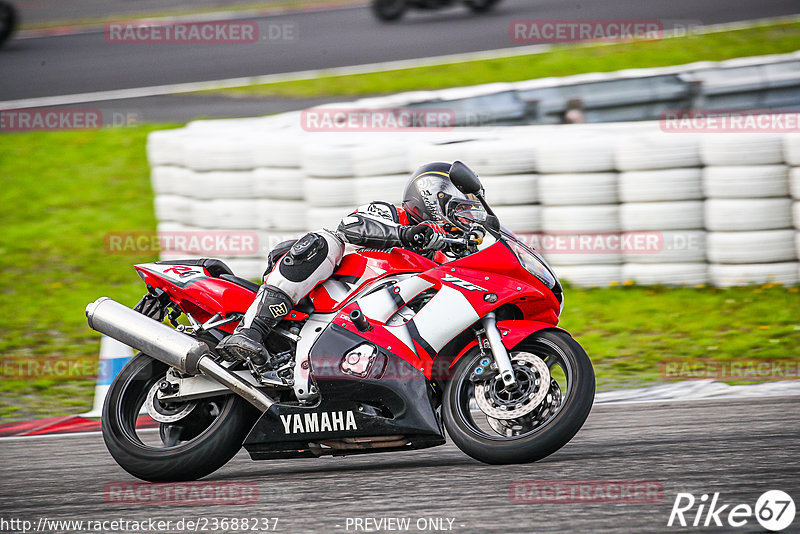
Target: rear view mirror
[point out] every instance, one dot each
(465, 179)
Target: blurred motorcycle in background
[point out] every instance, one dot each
(8, 21)
(391, 10)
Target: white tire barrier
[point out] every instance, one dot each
(509, 156)
(661, 185)
(173, 208)
(326, 192)
(575, 153)
(328, 160)
(724, 275)
(373, 160)
(385, 188)
(278, 183)
(576, 189)
(671, 274)
(797, 244)
(770, 246)
(796, 214)
(664, 247)
(165, 147)
(282, 215)
(581, 258)
(794, 182)
(581, 219)
(748, 214)
(640, 216)
(510, 189)
(746, 181)
(590, 275)
(325, 218)
(251, 269)
(278, 151)
(658, 150)
(791, 148)
(170, 180)
(520, 219)
(217, 153)
(741, 149)
(226, 213)
(220, 184)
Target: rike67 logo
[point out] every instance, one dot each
(774, 510)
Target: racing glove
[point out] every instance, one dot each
(425, 236)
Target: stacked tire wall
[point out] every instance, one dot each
(699, 208)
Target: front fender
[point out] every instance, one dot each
(513, 332)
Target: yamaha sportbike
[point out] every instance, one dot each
(385, 355)
(390, 10)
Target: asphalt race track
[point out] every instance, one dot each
(739, 448)
(80, 63)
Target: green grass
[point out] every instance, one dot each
(62, 193)
(562, 60)
(632, 332)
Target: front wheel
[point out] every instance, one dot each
(389, 10)
(554, 393)
(194, 438)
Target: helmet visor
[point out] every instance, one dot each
(464, 213)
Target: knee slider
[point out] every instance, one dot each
(305, 256)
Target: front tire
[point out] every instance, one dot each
(548, 427)
(189, 449)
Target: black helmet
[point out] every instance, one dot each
(431, 196)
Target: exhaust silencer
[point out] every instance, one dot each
(167, 345)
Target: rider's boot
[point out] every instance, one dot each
(247, 342)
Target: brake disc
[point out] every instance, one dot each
(166, 414)
(520, 402)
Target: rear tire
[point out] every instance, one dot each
(389, 10)
(206, 449)
(543, 440)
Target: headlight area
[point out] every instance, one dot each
(539, 269)
(533, 265)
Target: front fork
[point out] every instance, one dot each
(501, 357)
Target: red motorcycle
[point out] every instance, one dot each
(383, 356)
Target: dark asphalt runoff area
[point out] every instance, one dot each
(739, 448)
(73, 64)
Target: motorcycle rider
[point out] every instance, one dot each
(430, 206)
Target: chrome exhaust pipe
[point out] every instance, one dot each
(159, 341)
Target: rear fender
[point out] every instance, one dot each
(196, 291)
(513, 332)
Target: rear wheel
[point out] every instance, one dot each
(193, 438)
(389, 10)
(553, 396)
(481, 6)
